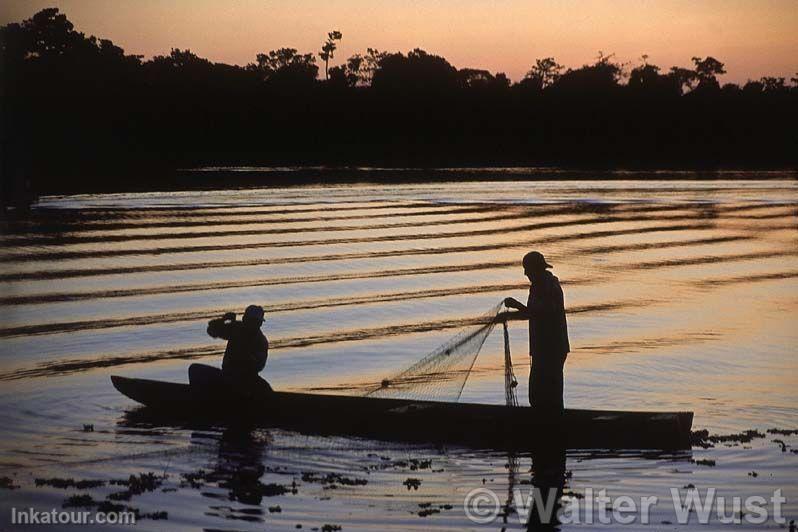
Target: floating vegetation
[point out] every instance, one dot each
(66, 483)
(7, 484)
(252, 491)
(427, 508)
(413, 483)
(704, 461)
(244, 485)
(272, 490)
(783, 432)
(120, 496)
(252, 515)
(194, 480)
(136, 485)
(79, 501)
(420, 464)
(702, 438)
(86, 501)
(331, 479)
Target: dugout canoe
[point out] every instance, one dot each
(469, 424)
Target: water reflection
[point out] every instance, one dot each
(239, 465)
(548, 480)
(246, 473)
(679, 291)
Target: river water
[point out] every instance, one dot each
(682, 295)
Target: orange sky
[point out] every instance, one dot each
(753, 37)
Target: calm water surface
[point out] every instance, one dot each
(681, 295)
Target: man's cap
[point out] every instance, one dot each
(535, 259)
(253, 313)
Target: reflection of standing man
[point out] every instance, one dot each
(548, 332)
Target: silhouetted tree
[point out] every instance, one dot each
(178, 65)
(730, 89)
(773, 84)
(45, 35)
(341, 76)
(358, 69)
(75, 106)
(49, 38)
(418, 71)
(599, 78)
(707, 71)
(708, 68)
(286, 65)
(647, 80)
(545, 73)
(472, 78)
(369, 65)
(645, 77)
(753, 87)
(328, 50)
(683, 78)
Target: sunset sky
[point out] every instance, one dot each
(753, 37)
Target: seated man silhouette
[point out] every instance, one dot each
(247, 349)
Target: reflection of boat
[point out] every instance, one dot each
(475, 425)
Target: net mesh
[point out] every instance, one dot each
(442, 374)
(510, 382)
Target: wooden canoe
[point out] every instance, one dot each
(468, 424)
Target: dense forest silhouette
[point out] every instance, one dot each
(80, 114)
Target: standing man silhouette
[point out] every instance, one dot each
(548, 332)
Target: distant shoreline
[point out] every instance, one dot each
(225, 177)
(142, 180)
(84, 116)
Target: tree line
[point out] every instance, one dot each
(78, 109)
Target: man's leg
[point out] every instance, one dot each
(546, 385)
(540, 385)
(557, 387)
(560, 377)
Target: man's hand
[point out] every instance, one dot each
(229, 316)
(511, 302)
(502, 317)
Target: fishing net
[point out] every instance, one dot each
(442, 374)
(510, 382)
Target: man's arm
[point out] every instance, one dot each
(511, 316)
(222, 327)
(519, 314)
(525, 312)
